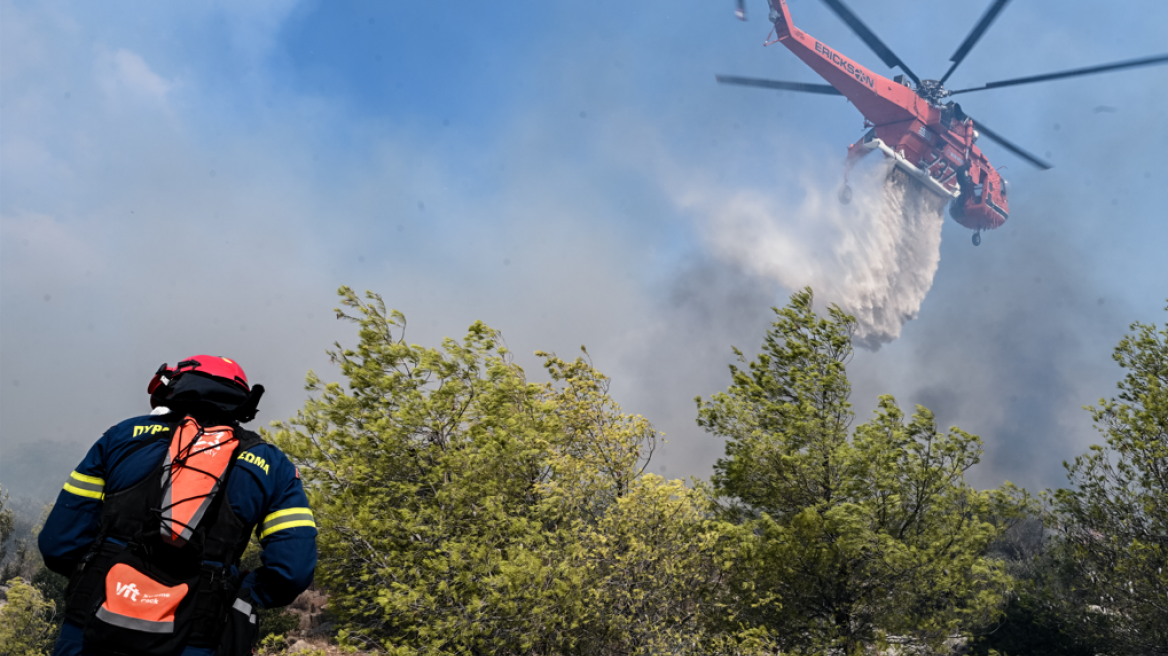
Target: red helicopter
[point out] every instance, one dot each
(928, 138)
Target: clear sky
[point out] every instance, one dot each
(181, 178)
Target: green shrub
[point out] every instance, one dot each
(26, 621)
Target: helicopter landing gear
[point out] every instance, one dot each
(977, 239)
(845, 194)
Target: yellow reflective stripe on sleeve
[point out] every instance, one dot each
(87, 479)
(280, 527)
(288, 511)
(287, 518)
(84, 493)
(90, 487)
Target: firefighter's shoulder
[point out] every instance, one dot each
(267, 460)
(128, 436)
(88, 480)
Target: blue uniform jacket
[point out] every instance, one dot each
(263, 489)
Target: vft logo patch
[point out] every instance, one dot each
(128, 590)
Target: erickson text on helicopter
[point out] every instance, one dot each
(843, 63)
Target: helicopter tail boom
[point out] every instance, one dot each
(879, 99)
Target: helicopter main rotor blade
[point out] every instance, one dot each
(884, 52)
(1005, 143)
(825, 89)
(982, 25)
(1091, 70)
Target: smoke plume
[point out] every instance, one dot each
(874, 257)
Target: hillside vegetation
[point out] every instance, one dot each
(466, 510)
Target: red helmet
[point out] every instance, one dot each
(211, 365)
(217, 386)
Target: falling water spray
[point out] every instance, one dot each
(875, 257)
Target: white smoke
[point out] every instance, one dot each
(874, 257)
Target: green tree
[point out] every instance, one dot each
(1043, 616)
(7, 525)
(19, 559)
(26, 621)
(18, 530)
(1114, 518)
(422, 475)
(466, 510)
(860, 535)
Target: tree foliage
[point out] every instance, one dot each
(1044, 615)
(1114, 519)
(33, 619)
(18, 528)
(7, 525)
(860, 534)
(26, 621)
(466, 510)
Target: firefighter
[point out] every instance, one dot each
(151, 525)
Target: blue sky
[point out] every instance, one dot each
(201, 177)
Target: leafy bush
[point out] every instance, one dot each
(26, 621)
(465, 510)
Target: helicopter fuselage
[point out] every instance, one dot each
(931, 141)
